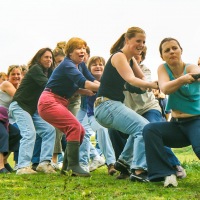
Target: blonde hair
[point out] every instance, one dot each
(3, 75)
(72, 44)
(131, 32)
(11, 67)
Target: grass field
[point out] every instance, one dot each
(100, 185)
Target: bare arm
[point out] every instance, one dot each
(121, 64)
(92, 85)
(8, 87)
(137, 70)
(167, 86)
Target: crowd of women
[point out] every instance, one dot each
(64, 96)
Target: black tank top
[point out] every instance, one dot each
(112, 84)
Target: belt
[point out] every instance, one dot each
(100, 100)
(50, 90)
(185, 119)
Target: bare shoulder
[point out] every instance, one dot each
(192, 68)
(5, 85)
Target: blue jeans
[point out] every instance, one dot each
(30, 126)
(152, 116)
(114, 114)
(37, 150)
(87, 150)
(156, 116)
(171, 134)
(104, 140)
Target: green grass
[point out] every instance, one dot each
(100, 185)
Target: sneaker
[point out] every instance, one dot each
(170, 181)
(4, 171)
(122, 167)
(45, 167)
(123, 176)
(180, 172)
(111, 169)
(96, 163)
(8, 167)
(55, 166)
(25, 170)
(139, 177)
(34, 166)
(84, 167)
(15, 167)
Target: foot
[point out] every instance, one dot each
(122, 166)
(170, 181)
(142, 177)
(55, 166)
(4, 171)
(34, 166)
(96, 163)
(123, 176)
(84, 167)
(78, 171)
(8, 167)
(180, 172)
(45, 167)
(111, 169)
(25, 170)
(15, 167)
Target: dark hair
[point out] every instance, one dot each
(131, 32)
(168, 40)
(38, 55)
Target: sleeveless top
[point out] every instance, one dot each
(187, 98)
(112, 84)
(5, 99)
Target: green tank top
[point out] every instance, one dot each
(187, 98)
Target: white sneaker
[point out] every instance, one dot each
(170, 181)
(180, 172)
(45, 167)
(84, 167)
(25, 170)
(55, 166)
(97, 162)
(15, 167)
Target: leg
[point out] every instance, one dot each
(28, 134)
(156, 136)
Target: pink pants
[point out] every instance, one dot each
(53, 109)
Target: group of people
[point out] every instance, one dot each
(65, 96)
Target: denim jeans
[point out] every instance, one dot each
(30, 126)
(171, 134)
(114, 114)
(104, 140)
(156, 116)
(37, 150)
(152, 116)
(87, 150)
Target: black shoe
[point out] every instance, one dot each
(139, 177)
(122, 167)
(123, 176)
(8, 167)
(34, 166)
(4, 171)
